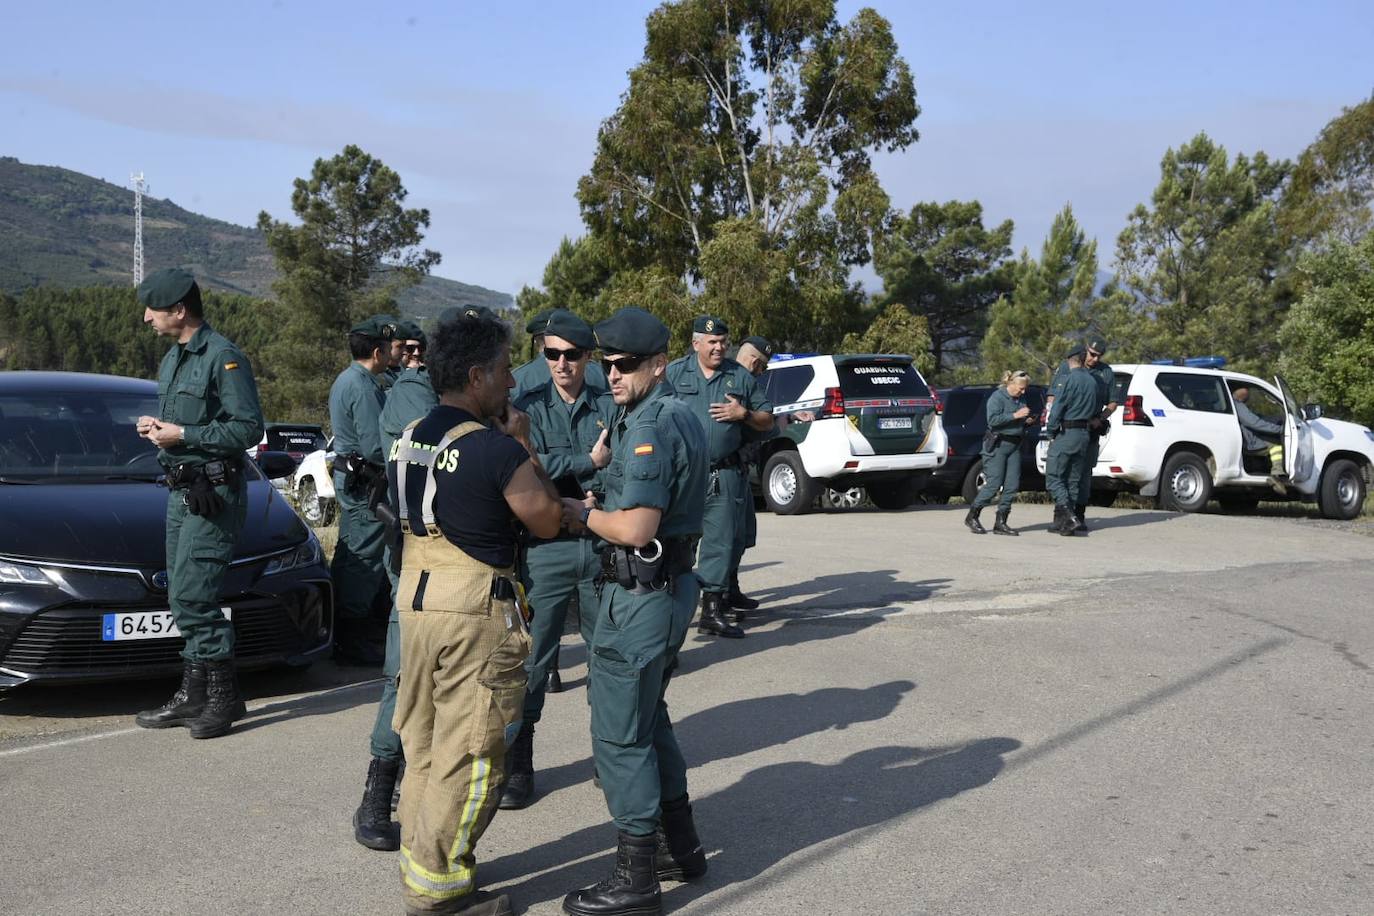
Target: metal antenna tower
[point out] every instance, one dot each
(140, 188)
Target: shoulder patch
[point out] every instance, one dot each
(645, 449)
(231, 365)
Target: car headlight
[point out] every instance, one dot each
(22, 574)
(307, 554)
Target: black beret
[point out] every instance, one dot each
(563, 323)
(1076, 350)
(710, 324)
(1097, 344)
(759, 343)
(536, 324)
(409, 330)
(165, 289)
(459, 312)
(632, 330)
(382, 327)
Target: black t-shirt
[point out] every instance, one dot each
(470, 481)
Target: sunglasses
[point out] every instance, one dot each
(413, 348)
(625, 365)
(573, 354)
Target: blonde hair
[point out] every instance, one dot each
(1012, 375)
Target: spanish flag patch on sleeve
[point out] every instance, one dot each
(645, 449)
(228, 366)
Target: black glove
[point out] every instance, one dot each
(201, 498)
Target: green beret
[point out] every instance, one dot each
(632, 330)
(459, 312)
(1097, 344)
(710, 324)
(759, 343)
(563, 323)
(165, 289)
(382, 327)
(536, 324)
(1076, 350)
(409, 330)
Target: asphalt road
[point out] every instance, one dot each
(1169, 716)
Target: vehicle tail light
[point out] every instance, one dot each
(1045, 414)
(261, 448)
(834, 403)
(1133, 414)
(939, 404)
(851, 465)
(950, 451)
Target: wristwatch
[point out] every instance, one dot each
(586, 514)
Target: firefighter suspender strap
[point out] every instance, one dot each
(408, 453)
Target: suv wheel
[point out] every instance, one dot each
(787, 488)
(895, 494)
(1342, 491)
(1186, 484)
(848, 498)
(973, 481)
(313, 509)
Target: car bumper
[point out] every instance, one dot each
(292, 625)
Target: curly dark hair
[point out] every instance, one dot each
(461, 343)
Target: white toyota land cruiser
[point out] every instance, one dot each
(1175, 436)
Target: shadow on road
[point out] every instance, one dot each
(744, 726)
(1102, 523)
(772, 813)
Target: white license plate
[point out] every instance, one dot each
(143, 625)
(894, 422)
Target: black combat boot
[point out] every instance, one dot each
(713, 622)
(738, 599)
(971, 520)
(631, 890)
(518, 791)
(1058, 520)
(1001, 527)
(1069, 524)
(187, 703)
(223, 703)
(1080, 516)
(372, 823)
(553, 682)
(679, 856)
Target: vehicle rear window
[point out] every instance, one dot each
(1194, 392)
(1119, 388)
(785, 384)
(961, 407)
(295, 439)
(869, 380)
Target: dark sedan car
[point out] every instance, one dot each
(966, 420)
(83, 581)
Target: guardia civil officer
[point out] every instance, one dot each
(753, 354)
(1093, 351)
(355, 408)
(208, 414)
(1007, 419)
(536, 372)
(460, 478)
(649, 522)
(724, 398)
(570, 422)
(409, 398)
(1078, 402)
(413, 345)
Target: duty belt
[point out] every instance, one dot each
(652, 568)
(220, 471)
(732, 460)
(1074, 424)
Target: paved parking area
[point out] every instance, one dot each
(1168, 716)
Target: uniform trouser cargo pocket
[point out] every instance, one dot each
(623, 695)
(500, 694)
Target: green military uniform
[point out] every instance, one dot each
(1106, 380)
(749, 458)
(658, 461)
(355, 407)
(1078, 401)
(1002, 462)
(206, 387)
(728, 487)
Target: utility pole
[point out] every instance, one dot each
(140, 188)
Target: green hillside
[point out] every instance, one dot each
(65, 229)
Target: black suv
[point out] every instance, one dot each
(966, 419)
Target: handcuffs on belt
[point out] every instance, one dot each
(634, 569)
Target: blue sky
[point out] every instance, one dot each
(489, 111)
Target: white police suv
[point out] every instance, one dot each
(1175, 437)
(864, 420)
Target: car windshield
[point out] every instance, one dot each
(87, 437)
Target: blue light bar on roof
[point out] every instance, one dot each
(1193, 362)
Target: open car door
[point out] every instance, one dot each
(1297, 438)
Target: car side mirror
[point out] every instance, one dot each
(275, 465)
(1312, 412)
